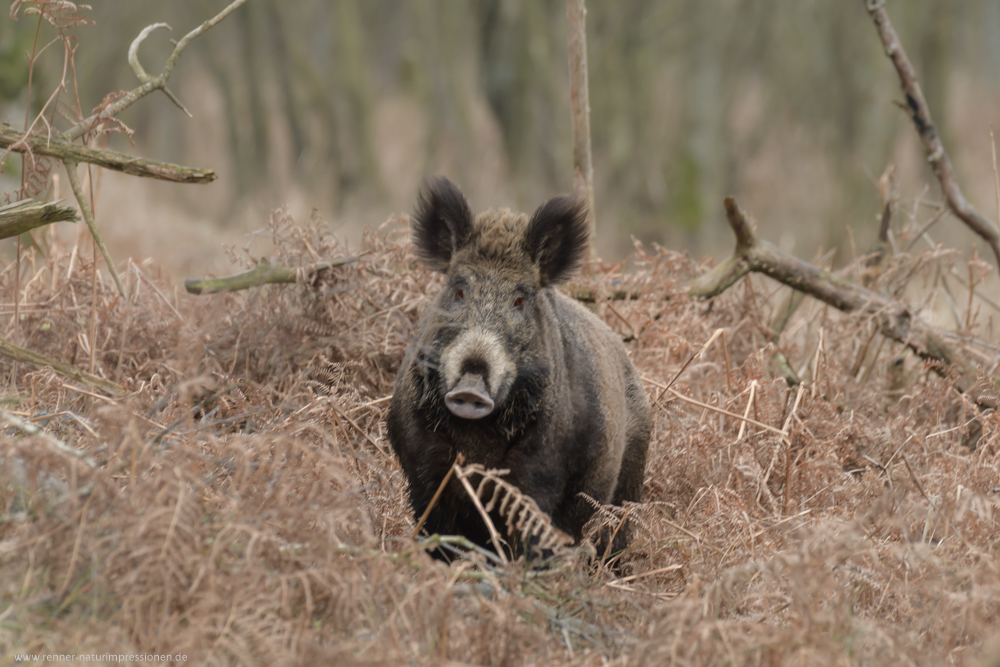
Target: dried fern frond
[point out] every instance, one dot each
(610, 517)
(520, 511)
(62, 14)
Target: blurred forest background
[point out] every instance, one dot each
(345, 105)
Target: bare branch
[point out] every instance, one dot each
(158, 82)
(62, 149)
(916, 105)
(25, 215)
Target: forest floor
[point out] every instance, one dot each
(240, 504)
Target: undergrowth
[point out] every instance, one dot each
(243, 505)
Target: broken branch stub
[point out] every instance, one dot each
(895, 320)
(25, 215)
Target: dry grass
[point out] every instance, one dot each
(246, 508)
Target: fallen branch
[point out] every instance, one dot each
(895, 320)
(916, 105)
(25, 215)
(66, 370)
(61, 149)
(263, 274)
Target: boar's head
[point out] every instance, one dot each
(483, 344)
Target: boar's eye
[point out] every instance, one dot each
(518, 302)
(459, 294)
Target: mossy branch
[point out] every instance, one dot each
(895, 320)
(66, 370)
(61, 149)
(25, 215)
(263, 274)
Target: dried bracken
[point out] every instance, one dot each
(244, 506)
(520, 512)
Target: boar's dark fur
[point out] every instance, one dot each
(513, 374)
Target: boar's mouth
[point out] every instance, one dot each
(469, 399)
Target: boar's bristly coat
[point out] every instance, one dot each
(513, 374)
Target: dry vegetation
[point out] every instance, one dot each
(241, 505)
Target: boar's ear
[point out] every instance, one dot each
(557, 236)
(441, 223)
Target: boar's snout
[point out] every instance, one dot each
(469, 399)
(478, 374)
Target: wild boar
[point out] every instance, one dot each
(512, 373)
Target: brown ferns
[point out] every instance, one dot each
(522, 515)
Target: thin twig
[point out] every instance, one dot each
(459, 461)
(726, 412)
(666, 388)
(369, 404)
(494, 535)
(697, 538)
(778, 523)
(923, 230)
(88, 217)
(920, 487)
(649, 573)
(614, 534)
(725, 351)
(746, 413)
(957, 276)
(621, 317)
(788, 450)
(163, 298)
(360, 430)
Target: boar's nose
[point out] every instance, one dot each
(469, 399)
